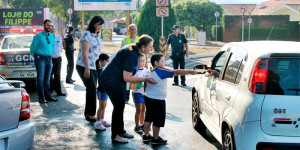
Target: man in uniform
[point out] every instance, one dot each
(132, 30)
(56, 62)
(68, 44)
(178, 42)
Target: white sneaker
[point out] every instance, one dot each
(106, 124)
(99, 126)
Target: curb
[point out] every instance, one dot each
(169, 61)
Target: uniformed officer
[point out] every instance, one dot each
(126, 41)
(178, 42)
(69, 47)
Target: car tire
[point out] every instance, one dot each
(196, 120)
(227, 140)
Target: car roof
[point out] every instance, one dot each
(18, 35)
(268, 47)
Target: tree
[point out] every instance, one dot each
(199, 14)
(148, 23)
(26, 3)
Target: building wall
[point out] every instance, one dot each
(233, 23)
(285, 11)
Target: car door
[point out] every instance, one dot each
(227, 86)
(217, 64)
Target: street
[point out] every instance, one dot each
(61, 125)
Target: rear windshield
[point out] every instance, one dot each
(283, 76)
(17, 42)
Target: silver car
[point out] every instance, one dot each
(16, 130)
(15, 59)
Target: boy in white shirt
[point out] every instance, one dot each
(138, 95)
(155, 98)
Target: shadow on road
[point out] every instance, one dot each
(205, 133)
(170, 116)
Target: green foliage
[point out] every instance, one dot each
(294, 31)
(27, 3)
(199, 14)
(220, 32)
(148, 23)
(262, 33)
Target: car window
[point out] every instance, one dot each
(283, 76)
(219, 61)
(234, 68)
(2, 85)
(17, 42)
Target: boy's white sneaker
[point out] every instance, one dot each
(99, 126)
(106, 124)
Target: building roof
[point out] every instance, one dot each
(264, 8)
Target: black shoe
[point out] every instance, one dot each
(87, 118)
(69, 81)
(43, 101)
(183, 84)
(159, 141)
(72, 80)
(147, 138)
(51, 99)
(61, 94)
(175, 84)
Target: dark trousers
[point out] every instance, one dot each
(90, 96)
(178, 61)
(70, 66)
(117, 93)
(43, 65)
(55, 75)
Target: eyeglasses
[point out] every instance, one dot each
(174, 29)
(47, 39)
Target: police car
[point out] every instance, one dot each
(15, 59)
(253, 101)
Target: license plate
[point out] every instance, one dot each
(28, 74)
(2, 146)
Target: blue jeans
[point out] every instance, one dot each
(43, 65)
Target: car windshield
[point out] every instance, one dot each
(17, 42)
(283, 76)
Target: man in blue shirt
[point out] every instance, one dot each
(41, 48)
(178, 42)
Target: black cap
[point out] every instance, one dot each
(176, 27)
(70, 28)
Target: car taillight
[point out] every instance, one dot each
(258, 80)
(2, 59)
(25, 107)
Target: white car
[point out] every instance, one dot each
(253, 100)
(16, 130)
(15, 59)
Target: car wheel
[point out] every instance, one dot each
(196, 121)
(227, 140)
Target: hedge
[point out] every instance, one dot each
(220, 32)
(262, 33)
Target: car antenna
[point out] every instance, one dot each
(271, 31)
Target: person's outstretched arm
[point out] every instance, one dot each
(185, 72)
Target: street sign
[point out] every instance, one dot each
(162, 11)
(162, 3)
(70, 11)
(217, 14)
(243, 9)
(249, 20)
(162, 44)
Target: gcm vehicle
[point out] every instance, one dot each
(252, 101)
(15, 59)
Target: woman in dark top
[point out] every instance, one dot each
(114, 77)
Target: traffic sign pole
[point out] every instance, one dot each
(162, 26)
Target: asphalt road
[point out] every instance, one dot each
(61, 125)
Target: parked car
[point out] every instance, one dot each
(16, 130)
(117, 30)
(123, 31)
(253, 101)
(15, 59)
(77, 33)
